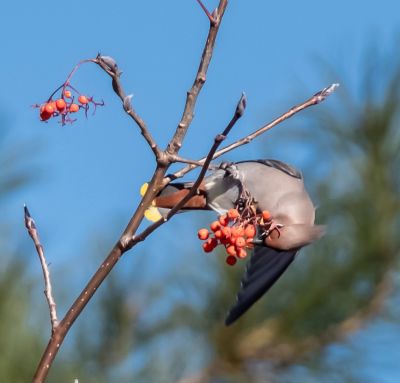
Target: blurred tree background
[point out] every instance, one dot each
(171, 328)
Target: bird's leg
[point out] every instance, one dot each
(266, 229)
(272, 227)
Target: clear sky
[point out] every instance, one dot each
(91, 172)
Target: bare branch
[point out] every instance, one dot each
(206, 11)
(314, 100)
(109, 65)
(48, 292)
(176, 158)
(193, 190)
(191, 98)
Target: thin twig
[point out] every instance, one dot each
(109, 66)
(176, 158)
(193, 190)
(206, 11)
(192, 94)
(314, 100)
(48, 291)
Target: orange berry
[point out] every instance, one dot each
(218, 234)
(233, 213)
(266, 215)
(226, 231)
(240, 242)
(48, 108)
(215, 226)
(241, 253)
(234, 232)
(232, 240)
(231, 250)
(67, 94)
(60, 104)
(73, 108)
(223, 220)
(203, 234)
(238, 231)
(209, 245)
(83, 99)
(250, 231)
(231, 260)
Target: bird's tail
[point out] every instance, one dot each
(170, 196)
(174, 193)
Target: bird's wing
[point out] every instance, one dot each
(279, 165)
(263, 270)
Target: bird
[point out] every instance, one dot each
(271, 185)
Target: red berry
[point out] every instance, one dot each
(232, 240)
(233, 213)
(250, 231)
(60, 104)
(231, 250)
(67, 94)
(210, 245)
(83, 99)
(240, 242)
(207, 248)
(266, 215)
(241, 253)
(203, 234)
(223, 220)
(73, 108)
(231, 260)
(225, 241)
(215, 226)
(226, 231)
(213, 242)
(218, 234)
(49, 108)
(238, 231)
(44, 116)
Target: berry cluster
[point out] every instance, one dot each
(234, 232)
(70, 101)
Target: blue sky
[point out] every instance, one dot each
(90, 172)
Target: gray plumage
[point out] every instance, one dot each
(278, 188)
